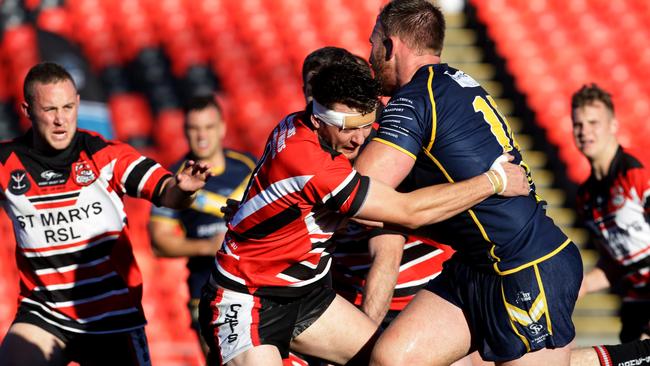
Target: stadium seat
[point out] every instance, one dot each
(574, 43)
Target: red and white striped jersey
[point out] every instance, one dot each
(77, 269)
(421, 262)
(301, 191)
(616, 210)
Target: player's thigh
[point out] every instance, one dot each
(547, 356)
(338, 335)
(429, 331)
(264, 355)
(28, 344)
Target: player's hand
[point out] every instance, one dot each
(513, 177)
(193, 176)
(230, 209)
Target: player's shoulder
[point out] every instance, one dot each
(240, 158)
(8, 147)
(91, 141)
(634, 165)
(633, 158)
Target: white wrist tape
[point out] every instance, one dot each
(496, 166)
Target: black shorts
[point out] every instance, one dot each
(233, 322)
(511, 315)
(635, 320)
(124, 348)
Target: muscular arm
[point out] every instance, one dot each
(388, 166)
(384, 163)
(166, 241)
(426, 205)
(386, 252)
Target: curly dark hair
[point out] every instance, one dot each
(589, 94)
(346, 83)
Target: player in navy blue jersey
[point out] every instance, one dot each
(511, 287)
(197, 232)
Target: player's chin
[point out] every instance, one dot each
(350, 153)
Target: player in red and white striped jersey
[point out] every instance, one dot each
(80, 288)
(614, 204)
(267, 295)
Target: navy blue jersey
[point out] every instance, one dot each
(204, 218)
(453, 130)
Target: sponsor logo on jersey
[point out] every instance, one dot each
(523, 297)
(463, 79)
(50, 177)
(19, 182)
(83, 173)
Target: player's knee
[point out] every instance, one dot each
(386, 353)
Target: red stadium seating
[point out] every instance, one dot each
(256, 47)
(554, 47)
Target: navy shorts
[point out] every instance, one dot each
(511, 315)
(233, 322)
(124, 348)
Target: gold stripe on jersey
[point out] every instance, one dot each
(434, 117)
(470, 211)
(531, 263)
(238, 192)
(241, 157)
(212, 204)
(397, 147)
(165, 220)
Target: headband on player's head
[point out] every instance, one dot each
(342, 119)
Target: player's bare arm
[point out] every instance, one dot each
(168, 241)
(439, 202)
(178, 191)
(386, 252)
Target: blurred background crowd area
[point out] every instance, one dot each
(136, 61)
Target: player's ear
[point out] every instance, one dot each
(25, 108)
(388, 47)
(614, 125)
(315, 121)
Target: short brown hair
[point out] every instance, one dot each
(418, 23)
(589, 94)
(44, 73)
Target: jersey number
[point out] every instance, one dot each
(504, 136)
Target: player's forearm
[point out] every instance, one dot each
(440, 202)
(376, 302)
(171, 245)
(386, 252)
(173, 196)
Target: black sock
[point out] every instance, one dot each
(635, 353)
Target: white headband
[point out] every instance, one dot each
(342, 119)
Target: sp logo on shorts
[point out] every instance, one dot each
(232, 321)
(19, 182)
(535, 328)
(83, 173)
